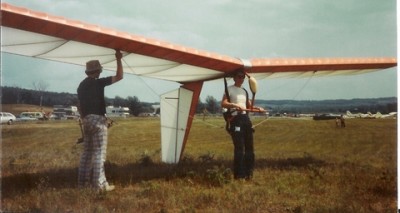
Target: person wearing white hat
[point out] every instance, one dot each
(92, 109)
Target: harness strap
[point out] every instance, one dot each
(228, 114)
(247, 100)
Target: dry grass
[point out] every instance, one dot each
(301, 166)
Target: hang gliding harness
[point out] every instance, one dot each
(228, 115)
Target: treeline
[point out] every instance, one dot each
(15, 95)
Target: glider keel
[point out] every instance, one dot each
(177, 110)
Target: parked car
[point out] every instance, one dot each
(325, 117)
(7, 118)
(30, 116)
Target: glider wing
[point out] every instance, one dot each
(36, 34)
(30, 33)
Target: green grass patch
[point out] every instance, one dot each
(301, 166)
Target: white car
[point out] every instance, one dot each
(6, 117)
(30, 116)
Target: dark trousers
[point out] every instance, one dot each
(242, 137)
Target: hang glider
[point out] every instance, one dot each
(35, 34)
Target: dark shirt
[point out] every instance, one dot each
(91, 96)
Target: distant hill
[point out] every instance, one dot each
(14, 95)
(383, 105)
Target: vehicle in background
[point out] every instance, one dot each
(328, 116)
(62, 112)
(6, 117)
(112, 111)
(30, 116)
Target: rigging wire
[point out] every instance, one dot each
(304, 86)
(293, 98)
(300, 90)
(213, 125)
(141, 79)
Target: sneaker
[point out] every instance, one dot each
(107, 188)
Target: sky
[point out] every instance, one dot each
(243, 29)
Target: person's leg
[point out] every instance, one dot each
(85, 171)
(238, 156)
(85, 165)
(249, 157)
(100, 150)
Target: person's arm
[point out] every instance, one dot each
(226, 104)
(120, 73)
(248, 104)
(256, 108)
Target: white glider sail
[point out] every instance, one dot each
(175, 107)
(41, 46)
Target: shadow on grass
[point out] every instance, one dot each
(143, 170)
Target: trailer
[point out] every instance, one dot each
(112, 111)
(62, 112)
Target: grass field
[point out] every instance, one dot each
(301, 166)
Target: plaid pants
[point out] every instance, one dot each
(91, 167)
